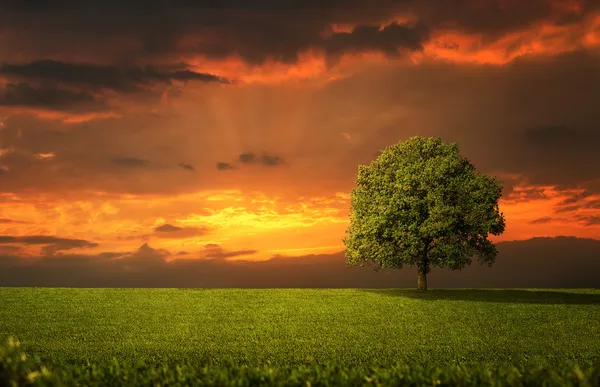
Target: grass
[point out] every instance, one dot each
(16, 369)
(305, 327)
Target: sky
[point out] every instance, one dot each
(181, 132)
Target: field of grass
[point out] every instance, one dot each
(292, 327)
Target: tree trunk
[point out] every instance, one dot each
(423, 269)
(422, 280)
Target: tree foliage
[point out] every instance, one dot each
(422, 204)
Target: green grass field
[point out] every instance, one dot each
(305, 326)
(300, 337)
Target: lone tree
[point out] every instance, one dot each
(422, 204)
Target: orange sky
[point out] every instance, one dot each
(241, 221)
(110, 163)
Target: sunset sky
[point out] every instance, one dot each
(234, 130)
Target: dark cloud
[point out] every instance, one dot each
(99, 77)
(254, 31)
(66, 245)
(556, 144)
(563, 262)
(187, 167)
(576, 201)
(588, 220)
(168, 228)
(493, 18)
(252, 158)
(561, 154)
(496, 113)
(169, 231)
(24, 95)
(51, 244)
(138, 237)
(593, 204)
(543, 220)
(214, 251)
(389, 39)
(271, 31)
(247, 158)
(567, 209)
(256, 43)
(130, 162)
(533, 118)
(259, 30)
(221, 166)
(187, 75)
(553, 135)
(45, 239)
(271, 160)
(5, 220)
(576, 198)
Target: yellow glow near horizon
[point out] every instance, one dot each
(234, 220)
(239, 221)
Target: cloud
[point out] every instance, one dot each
(544, 130)
(525, 195)
(23, 95)
(553, 136)
(575, 198)
(494, 18)
(5, 220)
(258, 31)
(588, 220)
(169, 231)
(379, 105)
(562, 262)
(271, 160)
(168, 228)
(247, 158)
(221, 166)
(100, 77)
(559, 154)
(266, 159)
(543, 220)
(214, 251)
(567, 209)
(45, 239)
(187, 75)
(187, 167)
(532, 119)
(593, 204)
(389, 39)
(51, 244)
(110, 89)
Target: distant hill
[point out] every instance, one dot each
(561, 262)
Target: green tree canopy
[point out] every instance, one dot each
(421, 203)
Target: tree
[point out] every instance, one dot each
(420, 203)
